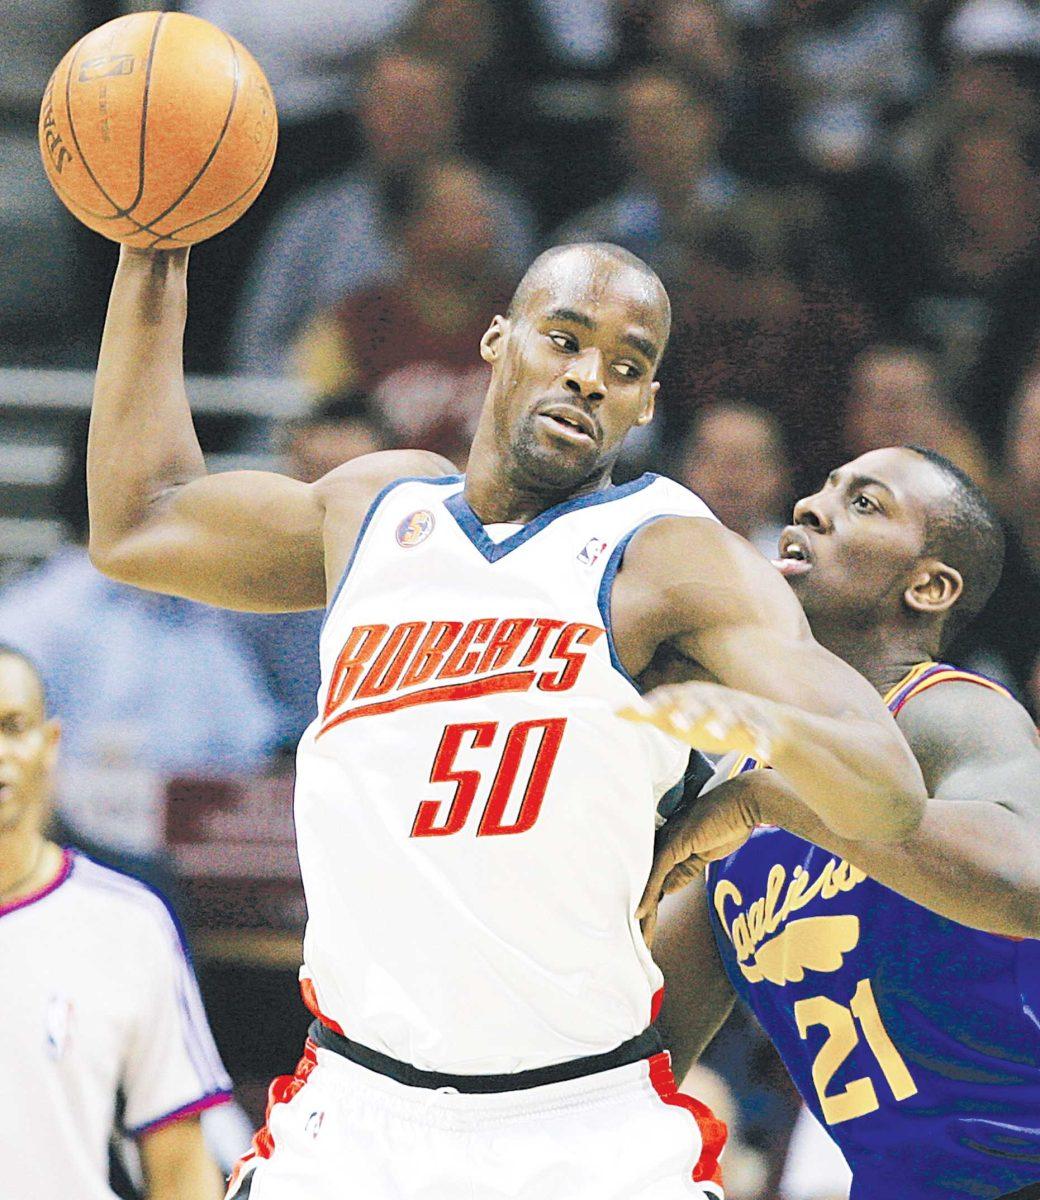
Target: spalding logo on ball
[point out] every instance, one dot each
(158, 130)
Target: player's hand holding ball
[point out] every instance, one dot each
(158, 130)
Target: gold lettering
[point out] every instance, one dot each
(814, 943)
(829, 887)
(774, 886)
(741, 939)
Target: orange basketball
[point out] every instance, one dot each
(158, 129)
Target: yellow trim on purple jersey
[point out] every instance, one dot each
(918, 679)
(927, 674)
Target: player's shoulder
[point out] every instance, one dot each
(362, 479)
(136, 909)
(955, 714)
(667, 495)
(682, 553)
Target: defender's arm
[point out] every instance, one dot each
(698, 995)
(975, 857)
(723, 606)
(250, 539)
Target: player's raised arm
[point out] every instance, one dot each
(725, 608)
(157, 519)
(245, 539)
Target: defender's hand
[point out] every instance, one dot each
(713, 828)
(710, 717)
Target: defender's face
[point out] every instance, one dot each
(855, 543)
(28, 745)
(573, 370)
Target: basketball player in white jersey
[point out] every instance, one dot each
(475, 825)
(98, 1003)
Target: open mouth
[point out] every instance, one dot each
(569, 422)
(795, 557)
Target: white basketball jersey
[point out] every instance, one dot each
(475, 823)
(97, 999)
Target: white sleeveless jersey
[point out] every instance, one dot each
(475, 823)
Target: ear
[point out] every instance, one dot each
(52, 736)
(935, 589)
(491, 342)
(646, 416)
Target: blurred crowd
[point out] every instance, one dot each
(842, 196)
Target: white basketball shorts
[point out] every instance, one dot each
(337, 1129)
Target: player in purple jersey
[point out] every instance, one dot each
(914, 1036)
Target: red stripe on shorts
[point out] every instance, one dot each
(310, 999)
(712, 1130)
(281, 1091)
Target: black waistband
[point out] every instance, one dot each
(643, 1046)
(1027, 1193)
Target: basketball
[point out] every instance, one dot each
(158, 130)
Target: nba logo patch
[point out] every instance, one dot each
(592, 549)
(314, 1124)
(415, 528)
(57, 1026)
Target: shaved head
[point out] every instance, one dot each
(598, 264)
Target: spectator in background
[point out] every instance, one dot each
(695, 38)
(978, 221)
(145, 686)
(762, 314)
(669, 132)
(412, 342)
(285, 645)
(340, 236)
(734, 459)
(849, 66)
(896, 399)
(470, 38)
(702, 42)
(313, 65)
(1011, 621)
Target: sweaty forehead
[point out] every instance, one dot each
(20, 689)
(586, 282)
(910, 476)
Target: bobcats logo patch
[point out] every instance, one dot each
(415, 528)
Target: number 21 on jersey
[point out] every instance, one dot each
(436, 818)
(858, 1097)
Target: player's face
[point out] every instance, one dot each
(856, 543)
(573, 370)
(28, 744)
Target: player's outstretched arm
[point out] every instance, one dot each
(975, 857)
(717, 600)
(157, 520)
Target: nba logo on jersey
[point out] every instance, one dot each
(57, 1025)
(415, 528)
(314, 1124)
(592, 549)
